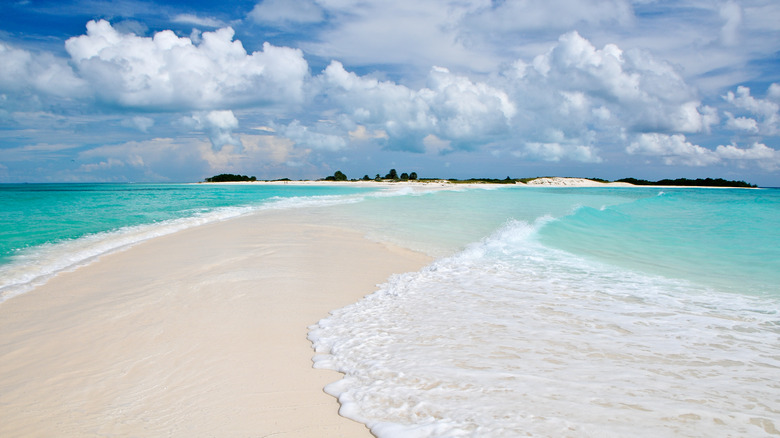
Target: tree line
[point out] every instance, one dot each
(699, 182)
(229, 177)
(392, 175)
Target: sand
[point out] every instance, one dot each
(430, 185)
(199, 333)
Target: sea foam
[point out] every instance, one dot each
(510, 337)
(34, 266)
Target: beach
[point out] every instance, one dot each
(233, 309)
(197, 333)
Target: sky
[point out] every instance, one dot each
(176, 91)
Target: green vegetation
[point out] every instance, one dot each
(412, 176)
(393, 175)
(706, 182)
(506, 180)
(229, 177)
(338, 176)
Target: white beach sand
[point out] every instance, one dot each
(555, 181)
(199, 333)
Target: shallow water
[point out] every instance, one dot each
(585, 312)
(46, 229)
(548, 312)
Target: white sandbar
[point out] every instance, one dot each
(199, 333)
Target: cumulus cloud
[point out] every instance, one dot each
(675, 149)
(166, 72)
(774, 92)
(556, 152)
(766, 157)
(741, 123)
(269, 148)
(766, 110)
(22, 71)
(219, 125)
(452, 107)
(309, 138)
(569, 101)
(650, 94)
(465, 109)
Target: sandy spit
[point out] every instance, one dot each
(199, 333)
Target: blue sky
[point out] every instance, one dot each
(133, 90)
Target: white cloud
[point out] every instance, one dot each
(286, 12)
(435, 145)
(402, 32)
(555, 152)
(731, 12)
(774, 91)
(515, 16)
(305, 137)
(765, 109)
(651, 94)
(198, 21)
(156, 159)
(742, 99)
(21, 70)
(452, 107)
(741, 123)
(464, 109)
(269, 148)
(141, 123)
(167, 72)
(575, 95)
(219, 125)
(765, 157)
(102, 165)
(362, 134)
(674, 149)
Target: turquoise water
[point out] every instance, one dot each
(547, 312)
(48, 228)
(726, 239)
(573, 312)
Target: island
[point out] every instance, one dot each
(394, 177)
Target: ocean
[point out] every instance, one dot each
(50, 228)
(547, 312)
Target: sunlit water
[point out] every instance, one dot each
(548, 311)
(579, 312)
(46, 229)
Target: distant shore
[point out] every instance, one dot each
(440, 183)
(555, 181)
(443, 184)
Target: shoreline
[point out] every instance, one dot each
(200, 332)
(449, 185)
